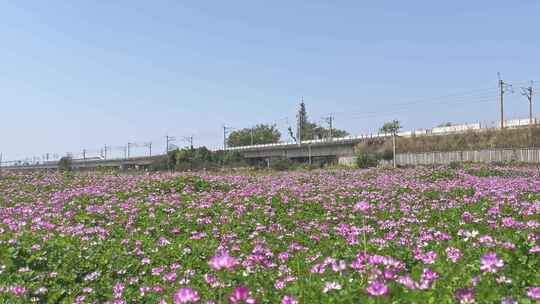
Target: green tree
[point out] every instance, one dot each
(391, 127)
(310, 130)
(260, 134)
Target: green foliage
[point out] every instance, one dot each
(445, 124)
(198, 159)
(441, 174)
(311, 130)
(391, 127)
(485, 172)
(260, 134)
(283, 164)
(366, 160)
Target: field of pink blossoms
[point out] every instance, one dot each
(355, 236)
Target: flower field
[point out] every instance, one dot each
(353, 236)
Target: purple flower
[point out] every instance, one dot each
(508, 300)
(18, 290)
(534, 292)
(490, 262)
(288, 300)
(241, 294)
(223, 261)
(171, 276)
(186, 295)
(377, 289)
(118, 290)
(465, 295)
(331, 286)
(362, 206)
(453, 254)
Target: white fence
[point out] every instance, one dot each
(525, 155)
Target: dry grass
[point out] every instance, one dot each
(486, 139)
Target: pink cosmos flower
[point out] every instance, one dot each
(224, 260)
(490, 262)
(377, 289)
(186, 295)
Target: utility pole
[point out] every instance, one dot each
(105, 152)
(330, 120)
(224, 137)
(502, 86)
(149, 149)
(252, 136)
(528, 92)
(1, 164)
(128, 149)
(168, 140)
(84, 154)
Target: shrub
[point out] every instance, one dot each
(283, 164)
(366, 160)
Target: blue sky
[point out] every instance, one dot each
(82, 74)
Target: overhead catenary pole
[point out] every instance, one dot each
(502, 86)
(168, 140)
(128, 149)
(224, 137)
(330, 120)
(528, 92)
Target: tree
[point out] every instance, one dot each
(309, 130)
(445, 124)
(304, 126)
(391, 127)
(260, 134)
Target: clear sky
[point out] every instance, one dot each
(82, 74)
